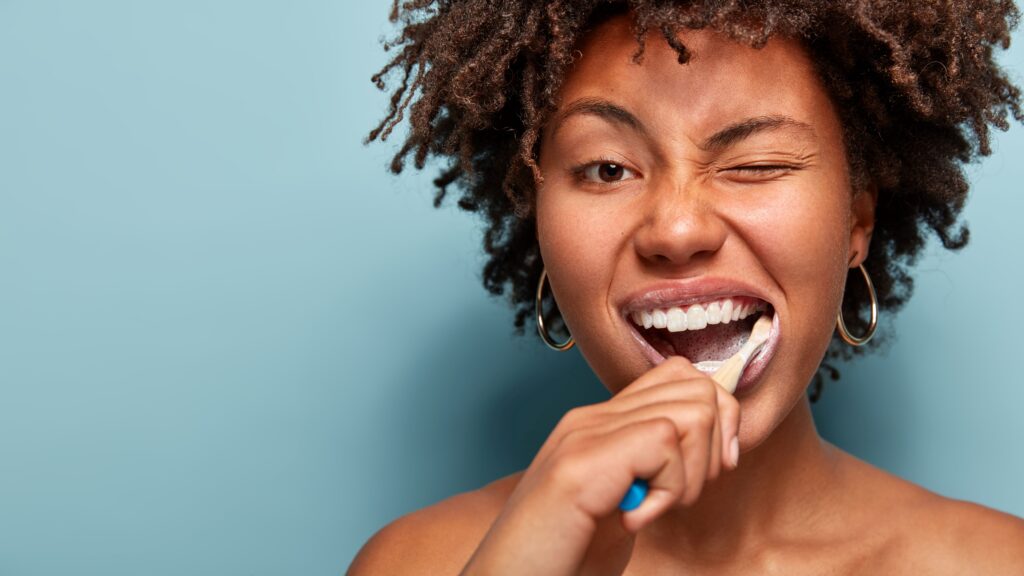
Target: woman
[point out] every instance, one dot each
(671, 172)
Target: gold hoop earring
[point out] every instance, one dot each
(841, 326)
(540, 319)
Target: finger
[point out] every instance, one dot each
(697, 387)
(729, 419)
(694, 424)
(697, 421)
(596, 470)
(664, 469)
(700, 388)
(673, 368)
(715, 454)
(578, 419)
(693, 389)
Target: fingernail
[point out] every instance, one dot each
(734, 450)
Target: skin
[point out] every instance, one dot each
(773, 207)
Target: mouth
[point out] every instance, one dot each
(705, 333)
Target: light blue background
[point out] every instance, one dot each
(231, 343)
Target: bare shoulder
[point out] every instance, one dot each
(904, 528)
(926, 533)
(962, 537)
(438, 539)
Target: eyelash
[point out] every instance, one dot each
(579, 171)
(764, 171)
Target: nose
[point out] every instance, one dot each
(680, 226)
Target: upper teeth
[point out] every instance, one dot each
(697, 316)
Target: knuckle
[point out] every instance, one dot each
(664, 430)
(569, 469)
(571, 439)
(710, 390)
(730, 403)
(573, 418)
(705, 414)
(572, 415)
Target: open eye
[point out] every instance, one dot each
(607, 172)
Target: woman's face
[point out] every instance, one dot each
(722, 182)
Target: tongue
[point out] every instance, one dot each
(716, 342)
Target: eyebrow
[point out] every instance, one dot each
(724, 138)
(602, 109)
(748, 127)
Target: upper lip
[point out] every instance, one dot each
(666, 294)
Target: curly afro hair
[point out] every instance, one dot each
(914, 82)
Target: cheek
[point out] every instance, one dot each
(803, 225)
(578, 248)
(807, 243)
(803, 243)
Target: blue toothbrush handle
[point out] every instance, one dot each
(634, 496)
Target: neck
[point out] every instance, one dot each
(776, 491)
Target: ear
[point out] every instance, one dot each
(862, 223)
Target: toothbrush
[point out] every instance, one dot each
(728, 376)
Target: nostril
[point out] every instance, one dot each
(661, 260)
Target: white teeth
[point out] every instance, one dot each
(676, 320)
(714, 313)
(696, 316)
(660, 318)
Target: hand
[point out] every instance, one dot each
(672, 426)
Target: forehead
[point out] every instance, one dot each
(722, 81)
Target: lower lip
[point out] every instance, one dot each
(755, 367)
